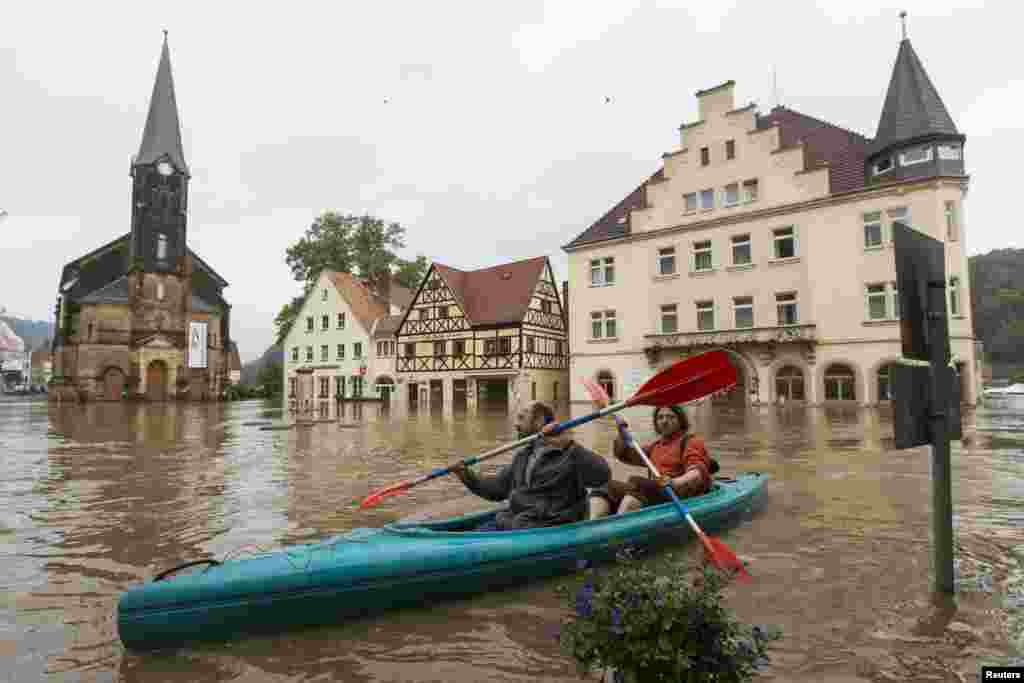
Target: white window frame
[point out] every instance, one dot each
(871, 219)
(325, 323)
(926, 152)
(746, 305)
(704, 194)
(340, 351)
(687, 200)
(952, 221)
(341, 321)
(669, 312)
(698, 249)
(895, 301)
(736, 241)
(751, 188)
(667, 254)
(876, 171)
(310, 323)
(777, 238)
(295, 354)
(955, 303)
(705, 307)
(602, 268)
(606, 322)
(873, 292)
(357, 350)
(785, 299)
(323, 295)
(309, 354)
(950, 152)
(736, 195)
(730, 146)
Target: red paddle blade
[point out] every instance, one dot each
(687, 369)
(377, 496)
(724, 559)
(683, 390)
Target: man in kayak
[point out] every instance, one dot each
(545, 484)
(680, 457)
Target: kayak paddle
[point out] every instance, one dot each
(716, 551)
(682, 382)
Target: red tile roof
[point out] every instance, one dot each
(364, 305)
(495, 295)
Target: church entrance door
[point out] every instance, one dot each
(113, 384)
(156, 381)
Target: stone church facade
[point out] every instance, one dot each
(143, 316)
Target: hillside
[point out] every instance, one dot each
(251, 370)
(997, 293)
(35, 333)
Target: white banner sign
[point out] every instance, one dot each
(196, 345)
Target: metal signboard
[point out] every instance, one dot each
(196, 344)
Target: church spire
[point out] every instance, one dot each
(162, 135)
(913, 110)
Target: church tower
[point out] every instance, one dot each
(916, 136)
(160, 183)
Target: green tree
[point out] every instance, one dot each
(271, 378)
(363, 245)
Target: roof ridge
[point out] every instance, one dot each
(821, 121)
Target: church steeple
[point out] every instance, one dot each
(916, 135)
(160, 182)
(162, 135)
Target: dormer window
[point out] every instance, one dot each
(883, 166)
(916, 156)
(161, 247)
(950, 152)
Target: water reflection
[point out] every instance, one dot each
(95, 498)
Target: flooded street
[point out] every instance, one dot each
(98, 497)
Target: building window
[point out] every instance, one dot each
(602, 271)
(702, 256)
(669, 319)
(357, 350)
(324, 353)
(691, 202)
(607, 382)
(884, 383)
(741, 255)
(459, 348)
(730, 149)
(916, 156)
(882, 166)
(558, 347)
(873, 230)
(382, 349)
(705, 156)
(785, 242)
(954, 296)
(325, 322)
(900, 214)
(554, 392)
(732, 194)
(949, 152)
(442, 311)
(952, 233)
(309, 323)
(490, 347)
(895, 300)
(533, 391)
(744, 310)
(410, 350)
(667, 261)
(341, 352)
(602, 325)
(161, 247)
(309, 354)
(341, 321)
(545, 306)
(785, 304)
(424, 313)
(439, 348)
(357, 386)
(789, 384)
(291, 387)
(705, 315)
(707, 199)
(877, 305)
(339, 386)
(506, 345)
(839, 383)
(323, 295)
(749, 191)
(295, 354)
(325, 386)
(530, 344)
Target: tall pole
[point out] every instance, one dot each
(942, 485)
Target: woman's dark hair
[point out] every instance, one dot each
(684, 422)
(544, 411)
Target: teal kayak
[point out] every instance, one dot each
(367, 570)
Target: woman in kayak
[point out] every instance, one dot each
(546, 482)
(679, 456)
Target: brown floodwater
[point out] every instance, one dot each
(96, 498)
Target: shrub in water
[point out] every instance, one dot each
(653, 625)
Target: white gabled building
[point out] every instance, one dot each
(329, 354)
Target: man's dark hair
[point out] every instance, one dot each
(684, 421)
(543, 411)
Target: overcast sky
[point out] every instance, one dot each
(495, 142)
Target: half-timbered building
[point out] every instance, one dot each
(483, 339)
